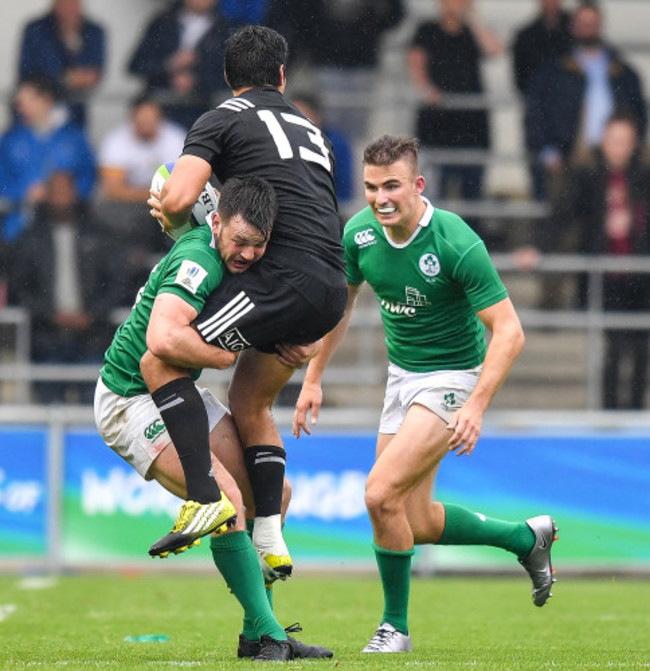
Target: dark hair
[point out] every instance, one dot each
(626, 115)
(589, 4)
(253, 57)
(144, 98)
(43, 85)
(387, 149)
(251, 197)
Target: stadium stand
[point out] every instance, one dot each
(561, 361)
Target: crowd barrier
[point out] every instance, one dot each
(67, 501)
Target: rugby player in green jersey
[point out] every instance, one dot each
(130, 423)
(438, 291)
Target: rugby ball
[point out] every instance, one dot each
(206, 203)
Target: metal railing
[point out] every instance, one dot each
(367, 369)
(592, 320)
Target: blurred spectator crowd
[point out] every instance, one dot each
(76, 238)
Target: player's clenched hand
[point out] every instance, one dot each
(310, 400)
(156, 210)
(155, 204)
(297, 356)
(465, 425)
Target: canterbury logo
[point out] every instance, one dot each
(365, 238)
(220, 322)
(154, 429)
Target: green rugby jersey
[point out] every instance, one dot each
(192, 269)
(429, 288)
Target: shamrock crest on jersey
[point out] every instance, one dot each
(429, 264)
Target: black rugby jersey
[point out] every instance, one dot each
(261, 133)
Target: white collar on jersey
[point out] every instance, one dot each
(423, 223)
(428, 213)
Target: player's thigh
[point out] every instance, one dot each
(411, 454)
(167, 470)
(257, 380)
(131, 427)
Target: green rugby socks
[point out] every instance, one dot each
(237, 561)
(177, 401)
(463, 527)
(395, 572)
(248, 626)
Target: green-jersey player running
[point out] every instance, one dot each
(438, 291)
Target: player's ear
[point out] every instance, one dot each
(215, 221)
(283, 78)
(420, 183)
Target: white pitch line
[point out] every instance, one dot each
(37, 582)
(6, 610)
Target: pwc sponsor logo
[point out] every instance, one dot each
(398, 308)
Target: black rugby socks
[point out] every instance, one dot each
(265, 465)
(182, 409)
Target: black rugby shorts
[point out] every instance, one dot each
(272, 303)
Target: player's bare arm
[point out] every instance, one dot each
(182, 189)
(505, 345)
(311, 394)
(171, 337)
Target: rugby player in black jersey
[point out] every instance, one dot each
(296, 294)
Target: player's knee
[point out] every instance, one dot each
(148, 366)
(380, 499)
(157, 373)
(245, 405)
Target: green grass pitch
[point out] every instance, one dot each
(81, 621)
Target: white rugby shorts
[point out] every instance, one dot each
(442, 391)
(132, 427)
